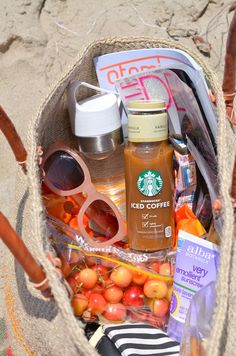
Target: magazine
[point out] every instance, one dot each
(114, 66)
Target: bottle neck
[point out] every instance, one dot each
(147, 144)
(148, 128)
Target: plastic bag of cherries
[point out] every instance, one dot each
(114, 284)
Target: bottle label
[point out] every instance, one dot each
(147, 128)
(149, 183)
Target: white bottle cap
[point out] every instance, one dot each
(95, 115)
(95, 121)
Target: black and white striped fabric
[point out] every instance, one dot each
(141, 339)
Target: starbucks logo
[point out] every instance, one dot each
(149, 183)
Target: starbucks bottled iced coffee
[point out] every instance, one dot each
(149, 177)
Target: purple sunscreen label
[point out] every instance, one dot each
(196, 266)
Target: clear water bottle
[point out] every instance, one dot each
(96, 123)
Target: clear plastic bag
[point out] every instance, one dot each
(198, 321)
(113, 284)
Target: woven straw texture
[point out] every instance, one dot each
(42, 327)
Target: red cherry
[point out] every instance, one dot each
(74, 281)
(165, 269)
(87, 292)
(88, 278)
(155, 266)
(102, 272)
(98, 288)
(113, 294)
(121, 276)
(75, 274)
(155, 288)
(159, 307)
(115, 312)
(133, 296)
(90, 261)
(97, 303)
(79, 304)
(138, 276)
(108, 283)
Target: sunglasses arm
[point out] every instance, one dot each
(106, 222)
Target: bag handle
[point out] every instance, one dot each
(19, 250)
(229, 80)
(7, 233)
(229, 77)
(8, 129)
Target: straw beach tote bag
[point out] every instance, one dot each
(41, 326)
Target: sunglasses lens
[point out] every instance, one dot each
(63, 171)
(102, 223)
